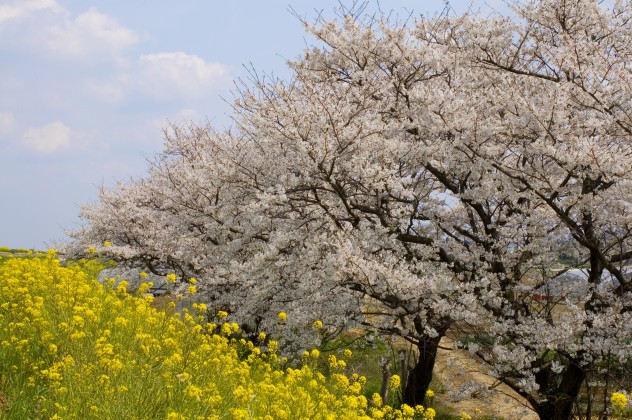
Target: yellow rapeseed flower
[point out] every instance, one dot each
(618, 400)
(193, 391)
(239, 413)
(128, 344)
(77, 335)
(122, 286)
(318, 324)
(333, 361)
(120, 321)
(171, 278)
(200, 307)
(107, 244)
(408, 410)
(394, 382)
(226, 329)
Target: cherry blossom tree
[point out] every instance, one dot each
(208, 210)
(554, 119)
(418, 178)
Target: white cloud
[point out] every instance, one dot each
(48, 28)
(23, 8)
(175, 74)
(163, 76)
(91, 34)
(107, 92)
(7, 123)
(48, 138)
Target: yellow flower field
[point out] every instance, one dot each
(72, 348)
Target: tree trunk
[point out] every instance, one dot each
(420, 375)
(386, 376)
(559, 404)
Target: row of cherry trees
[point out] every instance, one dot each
(418, 178)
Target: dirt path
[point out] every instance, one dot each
(458, 370)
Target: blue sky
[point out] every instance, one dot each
(87, 85)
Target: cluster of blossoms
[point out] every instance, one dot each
(618, 400)
(619, 405)
(380, 411)
(72, 347)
